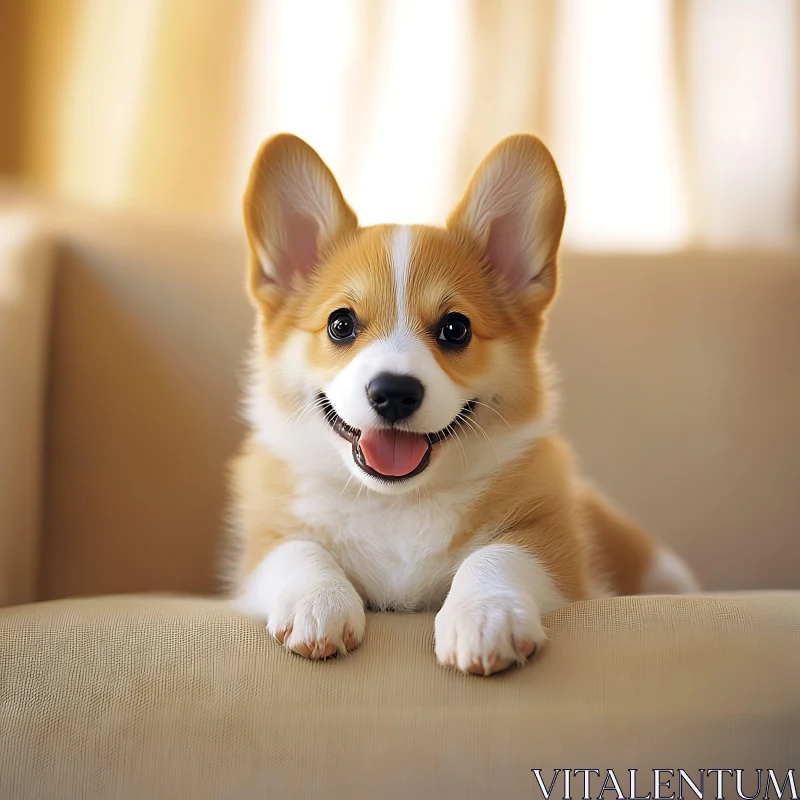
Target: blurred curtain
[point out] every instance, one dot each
(674, 123)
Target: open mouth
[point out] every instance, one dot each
(391, 454)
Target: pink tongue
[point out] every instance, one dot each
(392, 452)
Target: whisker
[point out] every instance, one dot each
(462, 455)
(314, 407)
(328, 415)
(329, 457)
(352, 475)
(453, 427)
(340, 468)
(492, 408)
(474, 423)
(301, 410)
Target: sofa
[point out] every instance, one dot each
(124, 674)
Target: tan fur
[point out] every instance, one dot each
(624, 551)
(538, 501)
(537, 507)
(263, 489)
(541, 504)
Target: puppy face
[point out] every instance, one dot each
(402, 348)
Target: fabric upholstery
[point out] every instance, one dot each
(171, 697)
(25, 284)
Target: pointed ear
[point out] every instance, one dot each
(514, 207)
(293, 208)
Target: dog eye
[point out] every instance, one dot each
(342, 325)
(454, 331)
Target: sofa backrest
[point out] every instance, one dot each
(680, 381)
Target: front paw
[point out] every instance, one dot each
(484, 635)
(320, 621)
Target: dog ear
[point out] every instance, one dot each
(293, 208)
(514, 207)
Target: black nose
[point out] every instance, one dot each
(395, 397)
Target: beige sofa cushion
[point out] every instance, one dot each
(173, 698)
(680, 393)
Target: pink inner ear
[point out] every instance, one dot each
(503, 249)
(299, 253)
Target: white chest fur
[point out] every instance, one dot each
(396, 550)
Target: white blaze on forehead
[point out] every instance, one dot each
(403, 352)
(401, 259)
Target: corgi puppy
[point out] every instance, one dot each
(403, 453)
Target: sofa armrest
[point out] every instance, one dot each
(133, 697)
(26, 271)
